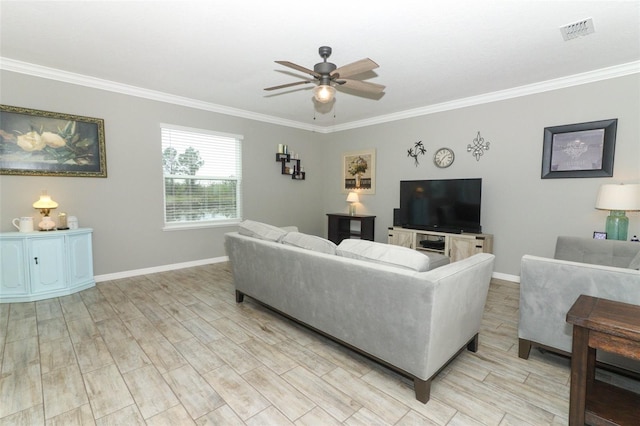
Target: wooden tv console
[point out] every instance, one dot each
(454, 246)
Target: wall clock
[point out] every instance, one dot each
(443, 158)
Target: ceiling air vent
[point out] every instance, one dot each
(577, 29)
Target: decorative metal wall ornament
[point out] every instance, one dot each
(418, 149)
(478, 148)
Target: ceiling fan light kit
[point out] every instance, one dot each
(324, 93)
(327, 76)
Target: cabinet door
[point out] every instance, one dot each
(401, 238)
(80, 259)
(461, 248)
(13, 276)
(47, 264)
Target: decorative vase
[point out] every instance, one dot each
(617, 225)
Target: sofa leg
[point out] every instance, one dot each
(423, 389)
(239, 296)
(524, 348)
(473, 344)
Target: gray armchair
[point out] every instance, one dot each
(549, 287)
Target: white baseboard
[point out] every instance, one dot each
(506, 277)
(162, 268)
(174, 266)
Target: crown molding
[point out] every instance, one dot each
(125, 89)
(112, 86)
(516, 92)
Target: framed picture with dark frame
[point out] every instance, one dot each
(43, 143)
(579, 150)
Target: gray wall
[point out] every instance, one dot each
(126, 209)
(524, 212)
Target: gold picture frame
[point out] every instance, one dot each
(43, 143)
(359, 171)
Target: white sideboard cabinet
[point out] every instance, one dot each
(455, 246)
(39, 265)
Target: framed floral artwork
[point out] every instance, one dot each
(359, 171)
(42, 143)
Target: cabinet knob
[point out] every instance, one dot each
(36, 259)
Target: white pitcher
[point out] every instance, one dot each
(24, 224)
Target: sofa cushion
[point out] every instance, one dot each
(260, 230)
(436, 259)
(635, 262)
(385, 254)
(309, 242)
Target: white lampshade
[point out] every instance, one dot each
(619, 197)
(45, 202)
(324, 93)
(353, 197)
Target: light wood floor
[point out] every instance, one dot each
(174, 348)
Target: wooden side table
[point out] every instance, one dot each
(340, 227)
(613, 327)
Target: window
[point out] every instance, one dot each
(202, 177)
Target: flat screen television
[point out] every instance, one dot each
(446, 205)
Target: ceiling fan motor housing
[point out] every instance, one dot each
(324, 69)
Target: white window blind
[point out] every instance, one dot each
(202, 177)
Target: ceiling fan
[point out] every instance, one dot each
(327, 76)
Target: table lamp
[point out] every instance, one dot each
(352, 199)
(618, 198)
(45, 204)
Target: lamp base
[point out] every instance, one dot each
(617, 225)
(352, 209)
(47, 224)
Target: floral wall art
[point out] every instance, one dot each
(46, 143)
(359, 171)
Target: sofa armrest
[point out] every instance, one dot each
(549, 287)
(460, 294)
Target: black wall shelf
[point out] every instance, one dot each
(290, 166)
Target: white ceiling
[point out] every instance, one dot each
(219, 55)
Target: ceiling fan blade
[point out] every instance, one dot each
(358, 67)
(363, 86)
(298, 67)
(282, 86)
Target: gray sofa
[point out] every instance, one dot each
(414, 322)
(549, 287)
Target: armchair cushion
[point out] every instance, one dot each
(596, 252)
